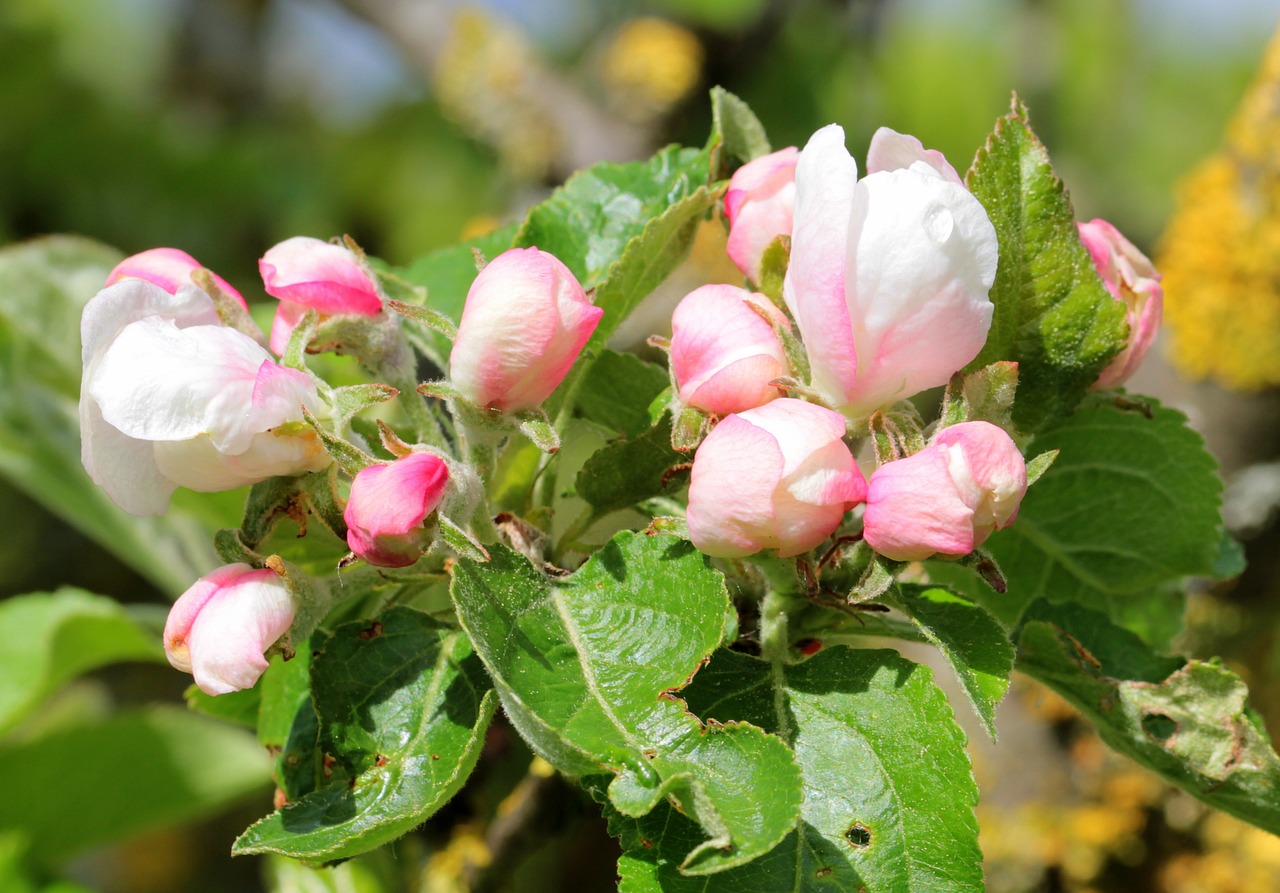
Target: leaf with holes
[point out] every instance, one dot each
(624, 472)
(889, 793)
(1184, 719)
(586, 666)
(972, 641)
(1053, 316)
(617, 393)
(402, 705)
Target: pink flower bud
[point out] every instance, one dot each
(170, 397)
(220, 628)
(889, 275)
(168, 268)
(724, 353)
(947, 498)
(775, 477)
(310, 274)
(525, 321)
(388, 506)
(760, 205)
(1131, 279)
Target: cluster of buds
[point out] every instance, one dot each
(887, 288)
(180, 388)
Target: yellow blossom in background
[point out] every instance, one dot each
(650, 65)
(1220, 255)
(491, 81)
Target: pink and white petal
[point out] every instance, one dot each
(914, 510)
(158, 382)
(829, 476)
(169, 268)
(126, 469)
(814, 288)
(891, 151)
(318, 274)
(922, 258)
(395, 498)
(130, 300)
(735, 473)
(279, 396)
(232, 632)
(741, 385)
(799, 429)
(183, 613)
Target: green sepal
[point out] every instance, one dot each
(773, 273)
(425, 316)
(534, 424)
(1040, 464)
(352, 399)
(295, 352)
(349, 458)
(688, 428)
(229, 310)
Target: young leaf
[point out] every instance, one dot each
(587, 665)
(402, 705)
(617, 393)
(1186, 720)
(624, 472)
(971, 640)
(1053, 316)
(889, 793)
(49, 638)
(1130, 504)
(736, 132)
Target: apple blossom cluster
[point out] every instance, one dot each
(885, 295)
(887, 284)
(180, 389)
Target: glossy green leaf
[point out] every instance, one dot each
(49, 638)
(617, 393)
(1130, 505)
(587, 667)
(402, 706)
(44, 285)
(626, 471)
(972, 641)
(1186, 720)
(889, 793)
(1053, 316)
(93, 784)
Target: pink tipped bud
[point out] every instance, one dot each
(310, 274)
(760, 205)
(775, 477)
(168, 268)
(724, 353)
(525, 321)
(388, 506)
(1131, 279)
(949, 497)
(220, 628)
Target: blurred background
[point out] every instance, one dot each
(223, 126)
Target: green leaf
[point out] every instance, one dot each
(237, 707)
(44, 285)
(624, 472)
(972, 641)
(402, 705)
(1053, 316)
(1186, 720)
(1130, 504)
(587, 665)
(736, 132)
(617, 393)
(889, 794)
(97, 783)
(47, 639)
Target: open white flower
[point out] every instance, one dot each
(170, 397)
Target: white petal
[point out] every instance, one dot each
(125, 468)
